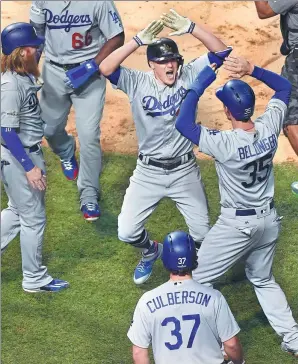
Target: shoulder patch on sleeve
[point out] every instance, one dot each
(213, 131)
(37, 7)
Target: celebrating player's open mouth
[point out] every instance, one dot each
(165, 71)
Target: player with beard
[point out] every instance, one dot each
(22, 162)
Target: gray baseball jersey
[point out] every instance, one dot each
(244, 166)
(243, 160)
(289, 8)
(155, 106)
(26, 207)
(76, 30)
(20, 107)
(185, 321)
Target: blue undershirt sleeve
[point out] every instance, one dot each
(279, 84)
(14, 145)
(114, 77)
(186, 120)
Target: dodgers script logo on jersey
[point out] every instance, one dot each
(66, 21)
(169, 106)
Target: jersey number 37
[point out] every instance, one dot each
(176, 332)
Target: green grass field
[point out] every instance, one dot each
(88, 322)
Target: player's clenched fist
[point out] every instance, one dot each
(37, 179)
(148, 35)
(179, 23)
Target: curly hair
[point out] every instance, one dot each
(13, 62)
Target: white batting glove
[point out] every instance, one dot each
(179, 23)
(148, 35)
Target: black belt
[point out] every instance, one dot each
(250, 212)
(167, 165)
(34, 148)
(66, 67)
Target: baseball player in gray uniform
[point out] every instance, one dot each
(22, 162)
(185, 321)
(166, 165)
(79, 35)
(248, 226)
(288, 11)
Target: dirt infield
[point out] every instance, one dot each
(235, 22)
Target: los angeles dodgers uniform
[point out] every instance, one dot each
(186, 322)
(248, 226)
(25, 213)
(154, 108)
(75, 32)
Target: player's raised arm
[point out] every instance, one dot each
(186, 120)
(239, 67)
(144, 37)
(182, 25)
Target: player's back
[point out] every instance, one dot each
(247, 178)
(244, 159)
(185, 320)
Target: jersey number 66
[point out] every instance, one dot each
(78, 40)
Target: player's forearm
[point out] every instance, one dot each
(210, 41)
(264, 10)
(186, 120)
(114, 60)
(140, 355)
(14, 145)
(110, 46)
(279, 84)
(235, 352)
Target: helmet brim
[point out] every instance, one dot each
(219, 93)
(166, 57)
(36, 42)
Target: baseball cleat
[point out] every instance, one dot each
(55, 285)
(90, 211)
(144, 268)
(294, 187)
(289, 351)
(70, 168)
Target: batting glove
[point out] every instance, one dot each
(78, 76)
(148, 35)
(179, 23)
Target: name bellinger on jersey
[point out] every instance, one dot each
(258, 147)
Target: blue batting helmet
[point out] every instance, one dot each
(19, 35)
(239, 98)
(179, 252)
